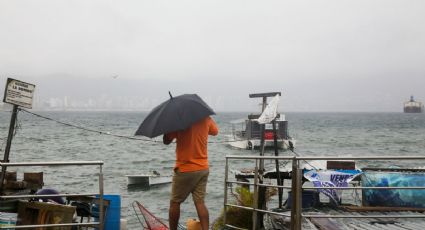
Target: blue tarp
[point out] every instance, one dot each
(393, 197)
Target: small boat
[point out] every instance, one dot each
(147, 180)
(413, 106)
(246, 133)
(249, 137)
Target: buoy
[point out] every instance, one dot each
(193, 224)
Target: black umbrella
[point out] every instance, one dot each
(177, 113)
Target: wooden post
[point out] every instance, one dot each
(296, 201)
(9, 143)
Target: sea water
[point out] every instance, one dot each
(316, 134)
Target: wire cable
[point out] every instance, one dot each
(289, 145)
(87, 129)
(108, 133)
(291, 148)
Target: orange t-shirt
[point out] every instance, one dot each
(191, 149)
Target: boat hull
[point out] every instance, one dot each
(413, 109)
(147, 180)
(255, 144)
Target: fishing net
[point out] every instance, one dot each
(150, 221)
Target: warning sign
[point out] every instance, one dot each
(19, 93)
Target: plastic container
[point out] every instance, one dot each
(193, 224)
(8, 219)
(123, 224)
(113, 212)
(310, 198)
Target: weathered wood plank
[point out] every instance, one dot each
(325, 224)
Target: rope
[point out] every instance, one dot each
(18, 126)
(291, 148)
(108, 133)
(88, 130)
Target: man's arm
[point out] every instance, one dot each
(166, 139)
(213, 129)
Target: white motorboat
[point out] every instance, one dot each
(246, 133)
(147, 180)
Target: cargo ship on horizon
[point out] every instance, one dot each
(413, 106)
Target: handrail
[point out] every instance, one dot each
(50, 195)
(326, 158)
(53, 163)
(99, 224)
(296, 187)
(53, 225)
(360, 217)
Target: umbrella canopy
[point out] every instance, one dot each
(177, 113)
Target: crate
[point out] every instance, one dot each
(30, 213)
(10, 176)
(310, 198)
(34, 177)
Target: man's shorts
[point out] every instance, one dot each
(185, 183)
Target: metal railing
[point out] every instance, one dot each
(99, 224)
(296, 188)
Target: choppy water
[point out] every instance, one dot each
(317, 134)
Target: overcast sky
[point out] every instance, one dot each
(322, 55)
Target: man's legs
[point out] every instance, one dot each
(184, 184)
(174, 215)
(198, 196)
(203, 215)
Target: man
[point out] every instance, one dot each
(191, 169)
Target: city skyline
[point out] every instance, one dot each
(72, 96)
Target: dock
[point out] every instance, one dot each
(391, 210)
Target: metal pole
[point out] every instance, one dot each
(101, 211)
(263, 107)
(226, 173)
(9, 143)
(254, 213)
(276, 153)
(261, 195)
(261, 191)
(299, 197)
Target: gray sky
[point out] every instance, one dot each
(323, 55)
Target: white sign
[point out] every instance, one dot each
(19, 93)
